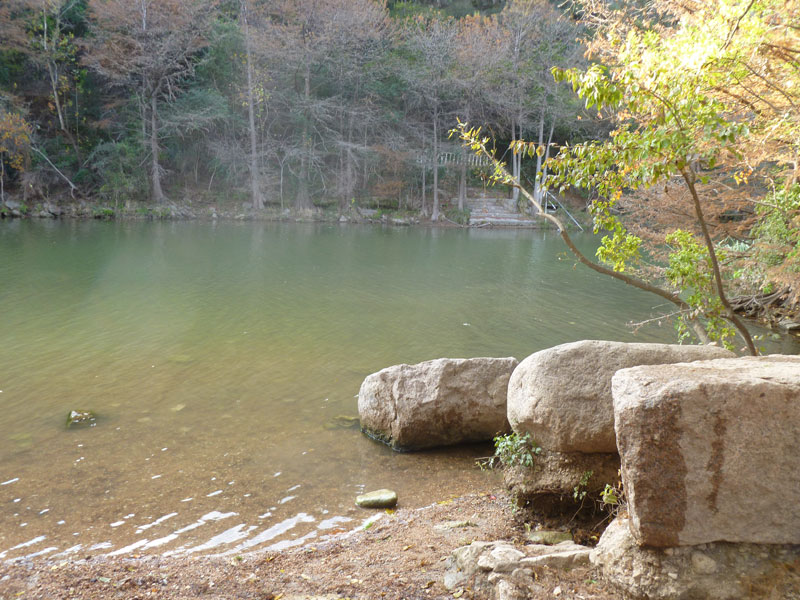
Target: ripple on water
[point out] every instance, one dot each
(189, 400)
(272, 532)
(32, 542)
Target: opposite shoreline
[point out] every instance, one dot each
(209, 211)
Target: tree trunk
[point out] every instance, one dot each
(537, 184)
(424, 208)
(543, 178)
(53, 71)
(283, 162)
(255, 187)
(303, 199)
(435, 211)
(689, 176)
(155, 167)
(515, 165)
(462, 186)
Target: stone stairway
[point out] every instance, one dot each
(496, 212)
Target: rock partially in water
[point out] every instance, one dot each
(377, 499)
(436, 403)
(81, 418)
(789, 325)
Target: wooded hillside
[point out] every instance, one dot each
(289, 103)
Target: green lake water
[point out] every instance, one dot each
(219, 356)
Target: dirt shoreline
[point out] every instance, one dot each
(402, 555)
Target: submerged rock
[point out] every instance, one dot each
(180, 359)
(377, 499)
(81, 418)
(343, 422)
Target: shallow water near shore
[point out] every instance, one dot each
(223, 361)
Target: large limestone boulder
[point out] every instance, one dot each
(722, 571)
(710, 450)
(562, 395)
(436, 403)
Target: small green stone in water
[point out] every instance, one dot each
(377, 499)
(81, 417)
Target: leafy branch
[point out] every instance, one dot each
(471, 138)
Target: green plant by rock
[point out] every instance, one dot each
(514, 450)
(610, 496)
(579, 492)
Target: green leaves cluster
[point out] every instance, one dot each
(514, 449)
(690, 269)
(778, 229)
(663, 91)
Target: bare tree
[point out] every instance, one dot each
(537, 38)
(429, 76)
(153, 48)
(255, 176)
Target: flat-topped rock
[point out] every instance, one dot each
(436, 403)
(710, 450)
(562, 395)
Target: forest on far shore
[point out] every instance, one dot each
(289, 103)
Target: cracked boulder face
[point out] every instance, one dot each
(709, 450)
(436, 403)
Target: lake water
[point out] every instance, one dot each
(220, 357)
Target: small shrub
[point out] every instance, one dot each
(457, 216)
(102, 212)
(579, 491)
(514, 449)
(610, 496)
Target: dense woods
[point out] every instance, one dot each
(677, 121)
(290, 103)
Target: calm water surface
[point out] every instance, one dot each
(220, 358)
